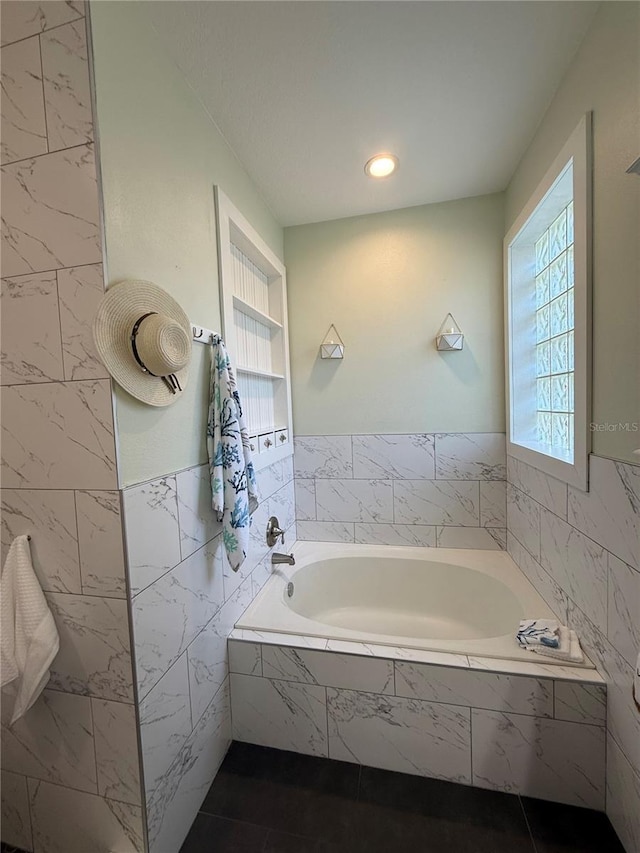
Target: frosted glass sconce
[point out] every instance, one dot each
(450, 336)
(332, 346)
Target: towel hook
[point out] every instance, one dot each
(199, 335)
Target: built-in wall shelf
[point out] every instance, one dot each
(254, 322)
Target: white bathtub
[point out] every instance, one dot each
(450, 600)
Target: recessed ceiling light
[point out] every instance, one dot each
(381, 166)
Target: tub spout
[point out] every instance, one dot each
(279, 559)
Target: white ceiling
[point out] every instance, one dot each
(306, 92)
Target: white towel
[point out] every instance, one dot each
(29, 640)
(539, 632)
(569, 649)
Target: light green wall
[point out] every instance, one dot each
(160, 157)
(387, 281)
(604, 77)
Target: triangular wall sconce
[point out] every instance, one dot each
(450, 336)
(332, 346)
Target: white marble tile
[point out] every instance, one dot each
(207, 654)
(31, 348)
(537, 757)
(274, 638)
(537, 670)
(327, 669)
(396, 534)
(170, 613)
(176, 801)
(67, 821)
(261, 574)
(546, 490)
(58, 436)
(610, 511)
(50, 207)
(406, 457)
(468, 537)
(24, 132)
(305, 499)
(282, 504)
(153, 531)
(50, 518)
(474, 688)
(354, 500)
(280, 714)
(272, 478)
(405, 735)
(624, 609)
(100, 543)
(288, 468)
(493, 504)
(323, 456)
(436, 502)
(576, 563)
(114, 725)
(397, 653)
(546, 586)
(198, 521)
(470, 456)
(94, 656)
(623, 796)
(500, 536)
(20, 20)
(580, 703)
(325, 531)
(245, 658)
(165, 723)
(80, 290)
(53, 742)
(523, 520)
(67, 95)
(14, 813)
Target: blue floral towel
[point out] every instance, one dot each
(233, 481)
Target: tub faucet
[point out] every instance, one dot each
(279, 559)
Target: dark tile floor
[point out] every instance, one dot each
(268, 801)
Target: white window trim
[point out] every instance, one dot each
(578, 148)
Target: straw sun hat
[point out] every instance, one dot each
(144, 340)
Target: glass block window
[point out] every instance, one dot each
(555, 332)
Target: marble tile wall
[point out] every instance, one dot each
(445, 490)
(581, 550)
(531, 734)
(185, 603)
(71, 779)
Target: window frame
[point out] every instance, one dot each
(577, 150)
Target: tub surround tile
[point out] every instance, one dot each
(624, 608)
(58, 436)
(277, 639)
(262, 572)
(546, 586)
(245, 658)
(274, 477)
(31, 343)
(165, 723)
(16, 822)
(53, 742)
(24, 132)
(470, 456)
(94, 657)
(406, 457)
(323, 456)
(80, 290)
(473, 688)
(100, 543)
(116, 745)
(537, 757)
(482, 538)
(51, 213)
(546, 490)
(580, 703)
(20, 20)
(67, 821)
(406, 735)
(50, 518)
(67, 95)
(325, 531)
(198, 522)
(538, 670)
(523, 520)
(169, 614)
(623, 796)
(282, 505)
(306, 666)
(395, 534)
(493, 504)
(354, 500)
(305, 500)
(439, 502)
(610, 511)
(281, 714)
(153, 531)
